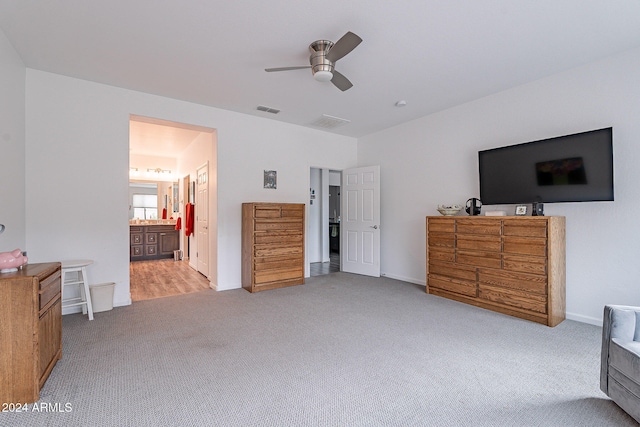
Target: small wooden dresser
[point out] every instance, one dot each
(513, 265)
(272, 245)
(31, 332)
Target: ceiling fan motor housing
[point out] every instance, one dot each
(321, 67)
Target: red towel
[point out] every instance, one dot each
(178, 223)
(164, 213)
(188, 219)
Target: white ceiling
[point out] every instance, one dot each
(434, 54)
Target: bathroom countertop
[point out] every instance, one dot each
(148, 223)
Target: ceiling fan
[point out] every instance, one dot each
(324, 55)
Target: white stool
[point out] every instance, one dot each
(74, 273)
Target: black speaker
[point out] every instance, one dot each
(537, 209)
(473, 206)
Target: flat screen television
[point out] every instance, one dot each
(570, 168)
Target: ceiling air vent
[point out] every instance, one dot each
(268, 109)
(329, 122)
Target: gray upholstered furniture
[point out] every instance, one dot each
(620, 364)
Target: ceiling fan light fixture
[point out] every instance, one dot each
(323, 76)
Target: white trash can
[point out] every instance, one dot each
(102, 296)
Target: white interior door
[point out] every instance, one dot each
(360, 222)
(202, 220)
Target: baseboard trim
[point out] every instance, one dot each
(216, 287)
(584, 319)
(405, 279)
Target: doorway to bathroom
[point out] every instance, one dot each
(173, 249)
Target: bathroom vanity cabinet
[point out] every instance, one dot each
(154, 241)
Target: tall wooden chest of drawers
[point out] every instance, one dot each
(272, 245)
(31, 332)
(513, 265)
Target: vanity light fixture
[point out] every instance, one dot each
(156, 174)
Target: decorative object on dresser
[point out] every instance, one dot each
(31, 332)
(272, 245)
(11, 261)
(153, 241)
(449, 210)
(512, 265)
(473, 206)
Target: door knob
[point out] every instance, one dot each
(375, 227)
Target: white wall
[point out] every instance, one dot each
(314, 220)
(12, 154)
(433, 160)
(318, 217)
(77, 171)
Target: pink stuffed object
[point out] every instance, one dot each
(10, 261)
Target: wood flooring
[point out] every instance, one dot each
(163, 278)
(166, 277)
(322, 268)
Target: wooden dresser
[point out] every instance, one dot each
(31, 332)
(513, 265)
(272, 245)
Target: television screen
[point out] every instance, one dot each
(571, 168)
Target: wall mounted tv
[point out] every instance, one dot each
(571, 168)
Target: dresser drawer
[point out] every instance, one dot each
(268, 211)
(452, 285)
(274, 263)
(272, 250)
(477, 242)
(513, 298)
(525, 264)
(480, 259)
(530, 283)
(440, 225)
(267, 276)
(451, 270)
(478, 226)
(446, 240)
(49, 289)
(525, 246)
(293, 211)
(441, 254)
(266, 225)
(525, 228)
(281, 237)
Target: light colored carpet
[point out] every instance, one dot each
(341, 350)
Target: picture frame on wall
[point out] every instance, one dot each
(521, 210)
(270, 179)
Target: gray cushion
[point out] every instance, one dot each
(620, 363)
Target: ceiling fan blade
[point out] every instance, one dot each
(346, 44)
(269, 70)
(340, 81)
